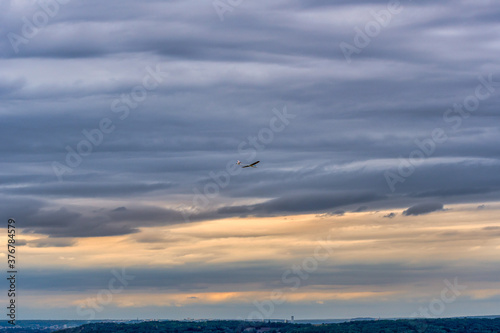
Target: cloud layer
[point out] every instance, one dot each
(124, 118)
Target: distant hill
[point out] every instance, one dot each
(447, 325)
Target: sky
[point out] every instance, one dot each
(375, 124)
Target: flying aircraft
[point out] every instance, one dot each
(253, 165)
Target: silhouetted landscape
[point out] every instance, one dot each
(465, 325)
(448, 325)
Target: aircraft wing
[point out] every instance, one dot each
(251, 165)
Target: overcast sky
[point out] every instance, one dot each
(375, 123)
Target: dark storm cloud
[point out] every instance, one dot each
(423, 208)
(63, 222)
(20, 208)
(43, 217)
(66, 223)
(220, 83)
(304, 202)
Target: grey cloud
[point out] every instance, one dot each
(91, 190)
(304, 202)
(453, 192)
(221, 82)
(338, 212)
(244, 276)
(152, 239)
(21, 242)
(90, 222)
(491, 228)
(51, 242)
(65, 223)
(423, 208)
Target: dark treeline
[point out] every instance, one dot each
(449, 325)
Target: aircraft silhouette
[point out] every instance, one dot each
(253, 165)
